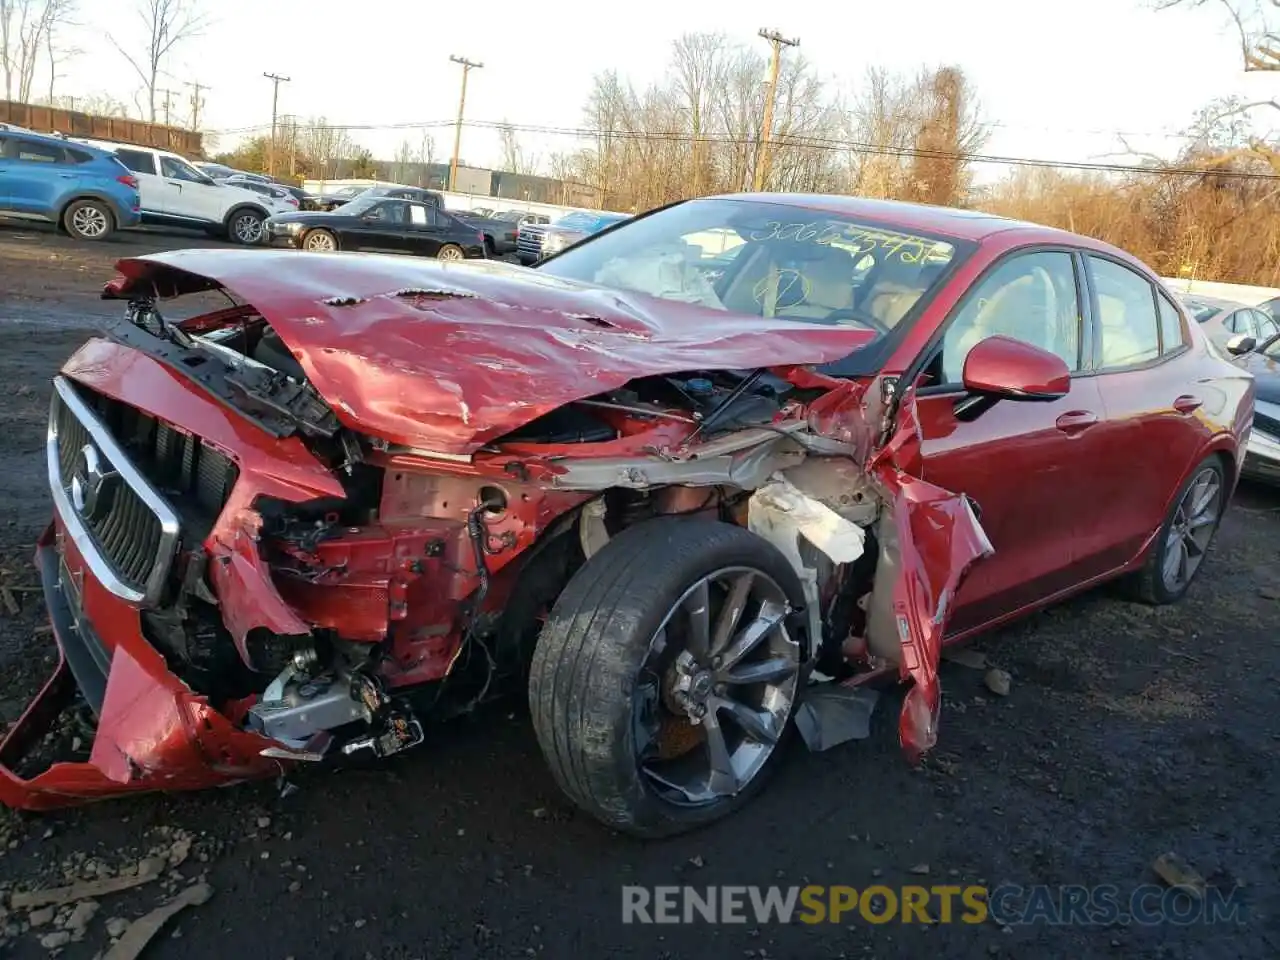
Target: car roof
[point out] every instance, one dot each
(953, 222)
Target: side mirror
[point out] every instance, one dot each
(1004, 368)
(1241, 344)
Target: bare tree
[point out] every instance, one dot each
(426, 157)
(403, 161)
(514, 157)
(699, 65)
(165, 24)
(26, 29)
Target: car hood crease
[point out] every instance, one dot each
(448, 357)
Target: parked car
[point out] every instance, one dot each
(1262, 359)
(383, 490)
(499, 235)
(220, 171)
(1223, 320)
(379, 224)
(278, 193)
(87, 192)
(534, 242)
(174, 193)
(521, 216)
(331, 201)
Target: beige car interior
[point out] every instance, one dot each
(1021, 302)
(1120, 317)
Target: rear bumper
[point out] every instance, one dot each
(153, 732)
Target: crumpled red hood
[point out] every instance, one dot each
(450, 356)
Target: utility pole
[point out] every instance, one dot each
(168, 103)
(467, 66)
(196, 102)
(276, 80)
(777, 41)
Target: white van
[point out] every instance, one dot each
(174, 193)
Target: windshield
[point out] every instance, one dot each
(1201, 311)
(766, 260)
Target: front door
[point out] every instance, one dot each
(36, 175)
(1025, 465)
(382, 228)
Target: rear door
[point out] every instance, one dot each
(151, 188)
(424, 230)
(1152, 405)
(37, 175)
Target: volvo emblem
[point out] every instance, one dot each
(93, 484)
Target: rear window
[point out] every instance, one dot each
(139, 161)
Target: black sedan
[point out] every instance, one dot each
(381, 224)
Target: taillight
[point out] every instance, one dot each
(129, 180)
(292, 201)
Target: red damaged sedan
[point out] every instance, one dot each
(689, 483)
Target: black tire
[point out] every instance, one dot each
(89, 220)
(587, 661)
(450, 251)
(237, 233)
(1148, 584)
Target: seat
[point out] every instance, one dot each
(1025, 308)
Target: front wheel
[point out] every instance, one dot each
(320, 241)
(89, 220)
(1183, 541)
(665, 679)
(450, 251)
(245, 227)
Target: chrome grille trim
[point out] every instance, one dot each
(145, 498)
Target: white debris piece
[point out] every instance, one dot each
(781, 513)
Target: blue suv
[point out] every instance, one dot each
(86, 191)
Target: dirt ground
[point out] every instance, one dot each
(1127, 733)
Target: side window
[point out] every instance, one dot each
(1030, 297)
(138, 161)
(437, 219)
(1267, 328)
(1126, 314)
(78, 156)
(1240, 322)
(32, 152)
(175, 169)
(418, 215)
(1170, 326)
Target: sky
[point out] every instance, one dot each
(1059, 81)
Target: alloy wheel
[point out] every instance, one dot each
(247, 228)
(1191, 529)
(717, 687)
(90, 222)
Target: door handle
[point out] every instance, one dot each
(69, 176)
(1186, 403)
(1076, 421)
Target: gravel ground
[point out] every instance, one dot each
(1127, 733)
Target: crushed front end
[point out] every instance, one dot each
(313, 522)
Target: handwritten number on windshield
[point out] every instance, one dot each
(860, 241)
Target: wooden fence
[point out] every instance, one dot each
(76, 124)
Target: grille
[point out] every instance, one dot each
(529, 240)
(126, 484)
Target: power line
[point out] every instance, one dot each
(815, 143)
(196, 102)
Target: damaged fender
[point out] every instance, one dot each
(930, 539)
